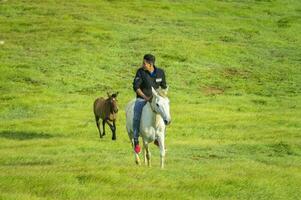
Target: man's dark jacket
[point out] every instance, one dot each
(145, 81)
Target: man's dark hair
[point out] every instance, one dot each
(149, 58)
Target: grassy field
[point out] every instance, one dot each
(233, 69)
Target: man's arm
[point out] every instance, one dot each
(163, 83)
(141, 94)
(137, 81)
(136, 86)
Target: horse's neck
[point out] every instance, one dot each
(152, 117)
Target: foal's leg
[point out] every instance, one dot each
(97, 124)
(113, 129)
(103, 126)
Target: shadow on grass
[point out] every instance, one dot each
(23, 135)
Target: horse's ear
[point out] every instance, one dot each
(164, 91)
(155, 93)
(114, 95)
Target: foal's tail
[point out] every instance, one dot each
(98, 106)
(95, 107)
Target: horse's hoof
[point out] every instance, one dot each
(113, 138)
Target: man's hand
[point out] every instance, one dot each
(140, 93)
(147, 98)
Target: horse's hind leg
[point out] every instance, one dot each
(97, 124)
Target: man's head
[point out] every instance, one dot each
(148, 62)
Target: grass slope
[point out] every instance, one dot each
(233, 68)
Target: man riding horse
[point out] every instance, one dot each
(147, 76)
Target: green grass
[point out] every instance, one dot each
(233, 68)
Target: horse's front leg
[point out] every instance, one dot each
(147, 154)
(144, 155)
(162, 149)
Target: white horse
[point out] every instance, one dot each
(155, 116)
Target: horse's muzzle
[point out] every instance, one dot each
(167, 122)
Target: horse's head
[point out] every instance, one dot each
(113, 102)
(160, 104)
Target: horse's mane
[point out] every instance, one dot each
(162, 92)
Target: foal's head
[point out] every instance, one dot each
(113, 102)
